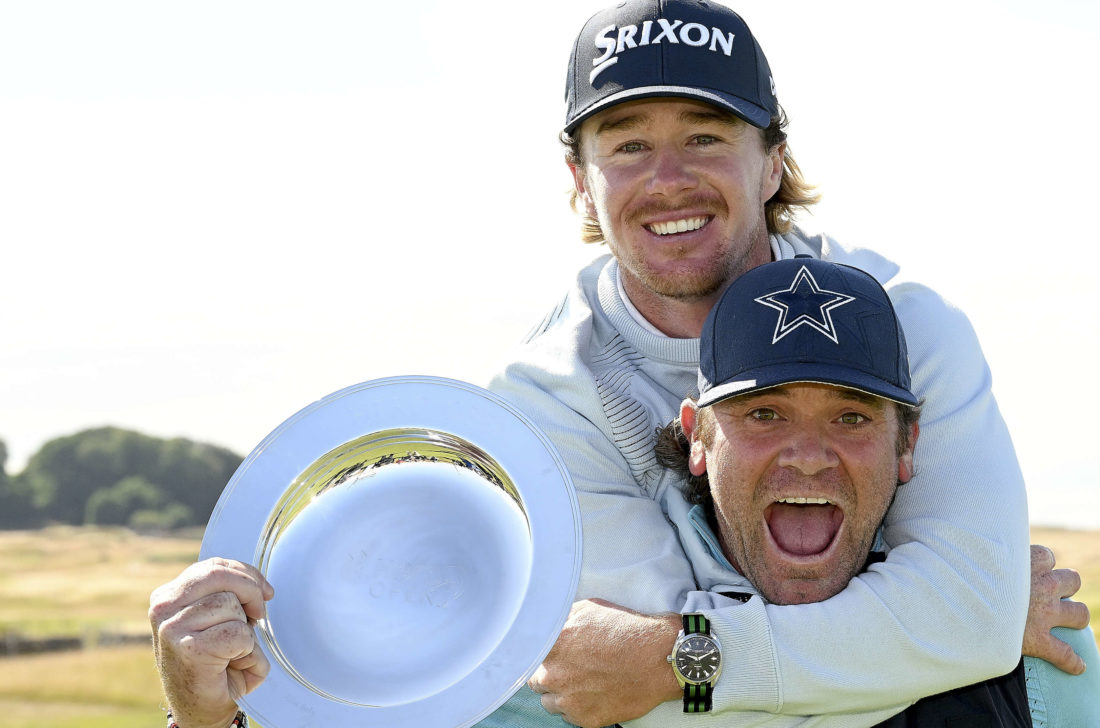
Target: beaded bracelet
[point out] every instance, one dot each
(240, 720)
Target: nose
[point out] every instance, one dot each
(808, 451)
(671, 173)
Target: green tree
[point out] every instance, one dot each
(193, 474)
(65, 472)
(115, 505)
(16, 508)
(64, 480)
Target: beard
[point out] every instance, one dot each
(782, 582)
(682, 277)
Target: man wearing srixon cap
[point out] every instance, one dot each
(677, 148)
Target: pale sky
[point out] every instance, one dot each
(214, 213)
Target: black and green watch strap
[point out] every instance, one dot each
(697, 698)
(696, 624)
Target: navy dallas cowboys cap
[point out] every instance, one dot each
(803, 320)
(682, 48)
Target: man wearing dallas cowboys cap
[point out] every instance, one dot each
(804, 424)
(804, 429)
(676, 145)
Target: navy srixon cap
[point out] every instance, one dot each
(803, 320)
(685, 48)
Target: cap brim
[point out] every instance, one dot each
(818, 374)
(753, 114)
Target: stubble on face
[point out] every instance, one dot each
(748, 482)
(730, 194)
(782, 581)
(694, 281)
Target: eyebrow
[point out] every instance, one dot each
(844, 393)
(835, 391)
(715, 117)
(691, 116)
(625, 123)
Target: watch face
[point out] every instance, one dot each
(698, 658)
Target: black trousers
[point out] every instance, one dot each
(997, 703)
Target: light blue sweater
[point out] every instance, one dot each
(599, 383)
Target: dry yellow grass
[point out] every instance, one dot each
(79, 581)
(105, 686)
(82, 580)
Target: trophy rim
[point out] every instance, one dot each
(243, 516)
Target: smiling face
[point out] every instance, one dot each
(678, 188)
(801, 475)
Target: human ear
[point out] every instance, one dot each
(578, 172)
(905, 461)
(773, 171)
(697, 456)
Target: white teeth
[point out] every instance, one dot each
(678, 226)
(811, 501)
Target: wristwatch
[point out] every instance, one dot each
(696, 662)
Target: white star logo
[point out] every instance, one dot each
(805, 303)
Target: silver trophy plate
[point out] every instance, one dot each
(424, 541)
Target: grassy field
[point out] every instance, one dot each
(83, 582)
(90, 582)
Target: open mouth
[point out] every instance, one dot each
(672, 227)
(803, 527)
